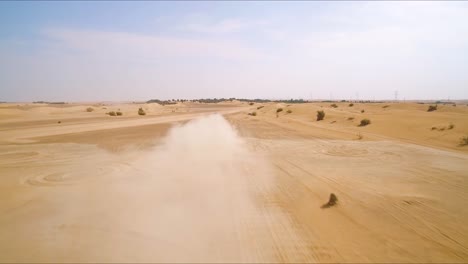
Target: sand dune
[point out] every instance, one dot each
(184, 184)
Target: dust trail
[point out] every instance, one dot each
(200, 197)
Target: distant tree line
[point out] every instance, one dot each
(218, 100)
(45, 102)
(257, 100)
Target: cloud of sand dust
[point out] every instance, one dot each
(209, 138)
(200, 191)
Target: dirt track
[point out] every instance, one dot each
(249, 189)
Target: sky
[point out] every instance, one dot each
(128, 51)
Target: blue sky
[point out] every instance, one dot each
(84, 51)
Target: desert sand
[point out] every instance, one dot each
(196, 182)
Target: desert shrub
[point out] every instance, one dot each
(351, 118)
(334, 105)
(365, 122)
(89, 109)
(351, 105)
(260, 107)
(359, 136)
(119, 113)
(451, 126)
(362, 111)
(464, 141)
(432, 108)
(331, 201)
(112, 113)
(141, 111)
(289, 111)
(251, 103)
(433, 128)
(59, 122)
(320, 115)
(442, 129)
(385, 106)
(279, 110)
(253, 114)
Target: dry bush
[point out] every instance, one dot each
(260, 107)
(331, 201)
(289, 111)
(385, 106)
(112, 113)
(89, 109)
(334, 105)
(351, 118)
(119, 113)
(451, 126)
(251, 103)
(365, 122)
(141, 111)
(279, 110)
(359, 136)
(464, 141)
(351, 105)
(320, 115)
(362, 111)
(433, 128)
(253, 114)
(432, 108)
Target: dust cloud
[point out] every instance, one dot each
(201, 194)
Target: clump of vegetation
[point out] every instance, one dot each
(365, 122)
(253, 114)
(260, 107)
(59, 122)
(289, 111)
(251, 103)
(89, 109)
(433, 128)
(141, 111)
(451, 126)
(119, 113)
(442, 129)
(362, 111)
(385, 106)
(320, 115)
(278, 111)
(350, 118)
(334, 105)
(464, 141)
(112, 113)
(331, 201)
(432, 108)
(351, 105)
(359, 136)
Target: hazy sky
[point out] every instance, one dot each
(81, 51)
